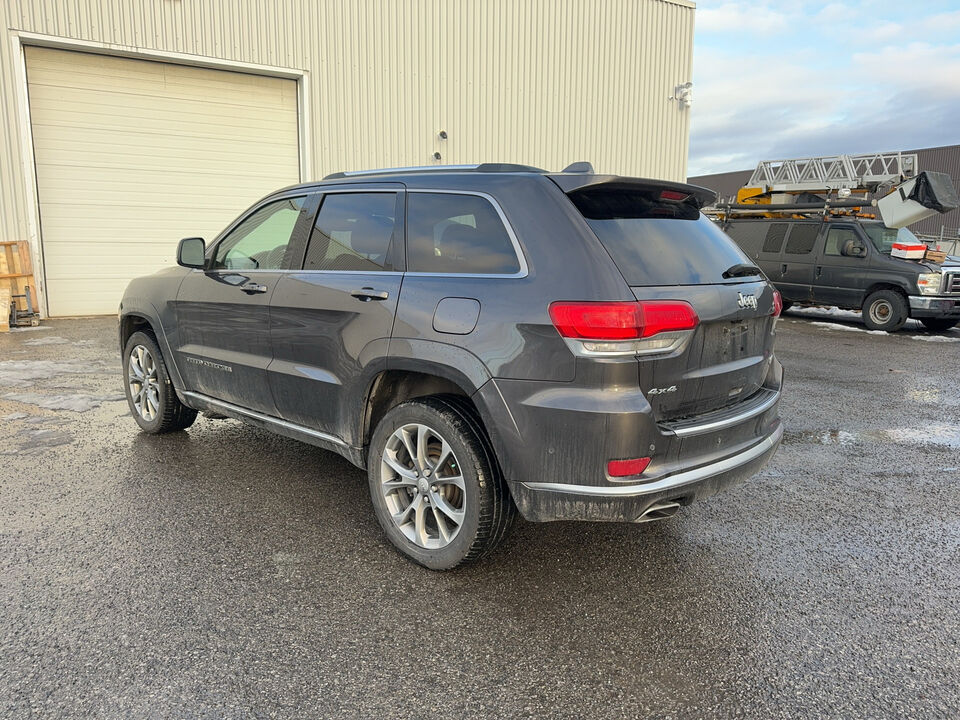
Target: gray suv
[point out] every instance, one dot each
(482, 340)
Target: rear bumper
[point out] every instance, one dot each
(922, 306)
(542, 501)
(554, 440)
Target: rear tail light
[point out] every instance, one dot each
(621, 320)
(624, 328)
(777, 303)
(626, 468)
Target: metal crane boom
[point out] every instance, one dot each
(833, 172)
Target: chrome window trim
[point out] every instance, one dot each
(346, 272)
(264, 418)
(337, 189)
(671, 481)
(517, 247)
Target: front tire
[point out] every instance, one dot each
(153, 401)
(885, 310)
(436, 486)
(938, 324)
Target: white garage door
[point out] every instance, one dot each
(132, 155)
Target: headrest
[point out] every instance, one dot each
(370, 235)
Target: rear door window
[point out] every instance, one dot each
(802, 239)
(655, 242)
(773, 243)
(457, 234)
(354, 232)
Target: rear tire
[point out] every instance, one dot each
(153, 401)
(435, 483)
(885, 310)
(938, 324)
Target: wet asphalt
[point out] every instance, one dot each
(224, 572)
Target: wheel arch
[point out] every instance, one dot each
(139, 315)
(885, 285)
(404, 381)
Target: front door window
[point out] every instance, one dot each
(260, 241)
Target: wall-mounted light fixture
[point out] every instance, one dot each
(683, 94)
(443, 134)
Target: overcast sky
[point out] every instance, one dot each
(777, 80)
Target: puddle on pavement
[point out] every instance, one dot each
(37, 440)
(74, 402)
(820, 437)
(26, 372)
(933, 434)
(927, 396)
(48, 340)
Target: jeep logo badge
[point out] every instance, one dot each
(747, 301)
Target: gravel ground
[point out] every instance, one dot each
(226, 572)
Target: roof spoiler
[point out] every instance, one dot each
(572, 182)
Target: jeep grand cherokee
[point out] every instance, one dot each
(482, 340)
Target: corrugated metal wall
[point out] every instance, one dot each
(544, 82)
(939, 159)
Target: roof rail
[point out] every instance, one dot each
(478, 167)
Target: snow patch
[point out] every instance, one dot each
(850, 328)
(935, 338)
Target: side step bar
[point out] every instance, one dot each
(205, 403)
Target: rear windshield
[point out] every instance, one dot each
(656, 242)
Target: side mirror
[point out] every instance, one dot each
(852, 248)
(191, 252)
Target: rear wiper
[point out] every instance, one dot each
(741, 270)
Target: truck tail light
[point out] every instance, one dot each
(626, 468)
(624, 328)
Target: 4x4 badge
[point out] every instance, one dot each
(747, 301)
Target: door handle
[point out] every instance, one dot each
(783, 269)
(251, 288)
(368, 293)
(819, 270)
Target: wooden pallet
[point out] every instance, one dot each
(16, 275)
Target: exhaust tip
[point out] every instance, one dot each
(659, 511)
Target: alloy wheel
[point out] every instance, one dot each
(423, 486)
(143, 382)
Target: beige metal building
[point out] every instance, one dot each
(128, 124)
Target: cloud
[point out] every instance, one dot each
(825, 87)
(740, 17)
